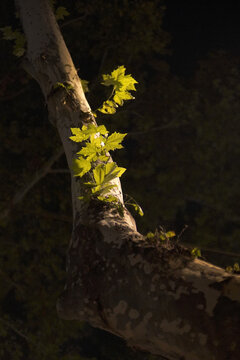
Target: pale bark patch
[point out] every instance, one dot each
(133, 314)
(174, 326)
(120, 308)
(201, 285)
(231, 289)
(202, 339)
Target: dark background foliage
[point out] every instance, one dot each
(182, 155)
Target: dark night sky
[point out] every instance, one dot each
(200, 27)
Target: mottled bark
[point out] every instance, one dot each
(155, 296)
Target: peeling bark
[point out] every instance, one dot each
(158, 298)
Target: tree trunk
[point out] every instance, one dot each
(157, 297)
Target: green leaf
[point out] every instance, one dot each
(150, 235)
(90, 184)
(109, 198)
(119, 80)
(137, 208)
(103, 158)
(86, 131)
(93, 149)
(108, 107)
(90, 151)
(104, 173)
(120, 209)
(99, 174)
(85, 85)
(122, 95)
(85, 198)
(170, 234)
(18, 37)
(59, 84)
(8, 33)
(81, 166)
(112, 171)
(65, 86)
(102, 129)
(236, 267)
(229, 269)
(103, 190)
(18, 49)
(61, 12)
(163, 236)
(196, 252)
(113, 141)
(78, 135)
(98, 140)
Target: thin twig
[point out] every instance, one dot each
(8, 279)
(16, 94)
(230, 217)
(73, 21)
(225, 253)
(10, 326)
(18, 197)
(59, 171)
(171, 125)
(38, 345)
(50, 215)
(214, 251)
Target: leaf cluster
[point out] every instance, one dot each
(122, 85)
(17, 36)
(68, 87)
(61, 12)
(94, 158)
(160, 234)
(235, 269)
(196, 252)
(130, 201)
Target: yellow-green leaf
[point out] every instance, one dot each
(112, 171)
(78, 135)
(102, 190)
(18, 37)
(108, 107)
(150, 235)
(119, 80)
(170, 234)
(85, 85)
(99, 174)
(114, 140)
(81, 166)
(196, 252)
(90, 151)
(86, 131)
(122, 95)
(61, 12)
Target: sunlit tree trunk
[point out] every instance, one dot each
(158, 298)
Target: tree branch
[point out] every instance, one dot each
(59, 171)
(13, 328)
(8, 279)
(154, 295)
(73, 21)
(21, 193)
